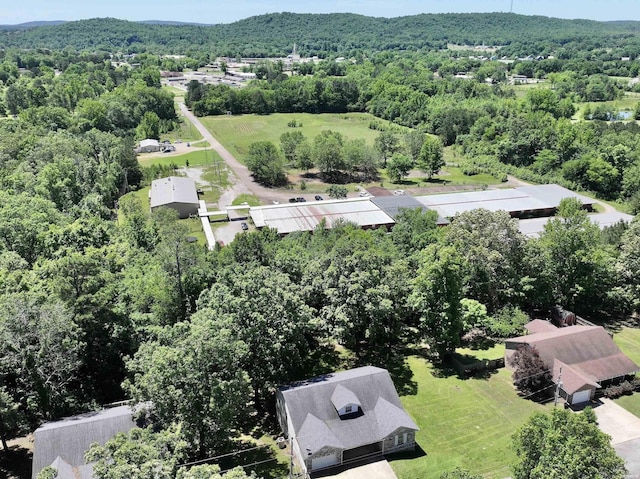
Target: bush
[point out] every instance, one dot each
(617, 390)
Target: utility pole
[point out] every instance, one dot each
(557, 394)
(291, 456)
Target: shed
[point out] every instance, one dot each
(177, 193)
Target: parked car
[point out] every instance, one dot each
(318, 198)
(244, 226)
(300, 199)
(293, 200)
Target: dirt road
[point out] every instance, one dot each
(241, 178)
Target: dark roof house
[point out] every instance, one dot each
(342, 417)
(62, 444)
(587, 355)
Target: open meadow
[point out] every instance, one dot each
(237, 132)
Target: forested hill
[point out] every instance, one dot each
(323, 34)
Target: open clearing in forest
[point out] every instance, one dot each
(237, 132)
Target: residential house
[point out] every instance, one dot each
(581, 358)
(340, 418)
(62, 444)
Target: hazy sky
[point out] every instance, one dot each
(226, 11)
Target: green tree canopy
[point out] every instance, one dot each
(564, 444)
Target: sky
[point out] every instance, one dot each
(227, 11)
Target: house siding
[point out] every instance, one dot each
(389, 443)
(325, 451)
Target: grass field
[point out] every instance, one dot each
(466, 423)
(195, 158)
(236, 133)
(251, 200)
(185, 132)
(626, 103)
(628, 340)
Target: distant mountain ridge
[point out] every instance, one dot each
(324, 34)
(26, 25)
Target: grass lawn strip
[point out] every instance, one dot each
(465, 423)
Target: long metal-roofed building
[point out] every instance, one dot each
(175, 192)
(534, 227)
(521, 202)
(289, 218)
(394, 204)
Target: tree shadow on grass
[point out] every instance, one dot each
(404, 455)
(394, 361)
(17, 463)
(263, 460)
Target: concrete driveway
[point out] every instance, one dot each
(624, 429)
(375, 469)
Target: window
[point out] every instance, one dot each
(347, 409)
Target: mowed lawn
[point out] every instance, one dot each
(628, 340)
(237, 132)
(463, 422)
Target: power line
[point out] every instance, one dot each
(241, 451)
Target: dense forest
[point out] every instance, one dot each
(330, 34)
(103, 301)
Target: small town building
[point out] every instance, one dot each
(177, 193)
(587, 356)
(341, 418)
(149, 146)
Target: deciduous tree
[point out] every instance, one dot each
(564, 444)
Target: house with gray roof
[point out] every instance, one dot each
(62, 444)
(177, 193)
(581, 359)
(340, 418)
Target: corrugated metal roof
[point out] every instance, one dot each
(173, 189)
(535, 226)
(288, 218)
(553, 194)
(524, 198)
(149, 142)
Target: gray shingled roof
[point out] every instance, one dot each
(67, 471)
(316, 422)
(70, 438)
(173, 189)
(342, 397)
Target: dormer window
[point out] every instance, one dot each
(345, 402)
